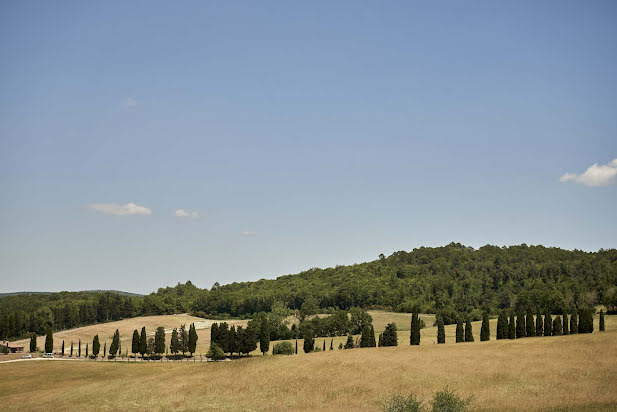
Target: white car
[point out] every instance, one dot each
(26, 356)
(48, 355)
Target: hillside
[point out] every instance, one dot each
(449, 280)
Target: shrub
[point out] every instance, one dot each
(400, 403)
(215, 352)
(283, 348)
(448, 401)
(4, 349)
(349, 344)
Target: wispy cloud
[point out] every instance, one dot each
(186, 213)
(130, 102)
(120, 210)
(595, 175)
(249, 233)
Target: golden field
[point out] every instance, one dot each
(576, 372)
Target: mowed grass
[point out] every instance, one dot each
(576, 372)
(126, 328)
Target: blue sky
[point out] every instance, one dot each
(289, 136)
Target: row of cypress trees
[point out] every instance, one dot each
(525, 326)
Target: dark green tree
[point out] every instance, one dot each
(324, 346)
(379, 341)
(105, 349)
(183, 340)
(573, 323)
(365, 337)
(96, 346)
(33, 342)
(529, 324)
(468, 331)
(215, 352)
(414, 331)
(564, 322)
(143, 342)
(49, 341)
(159, 340)
(539, 324)
(441, 332)
(79, 349)
(86, 350)
(331, 343)
(601, 320)
(585, 321)
(192, 339)
(264, 337)
(485, 329)
(231, 340)
(174, 345)
(520, 326)
(115, 344)
(309, 343)
(460, 332)
(71, 354)
(349, 344)
(135, 342)
(390, 335)
(557, 327)
(512, 327)
(62, 348)
(372, 342)
(548, 322)
(296, 346)
(502, 326)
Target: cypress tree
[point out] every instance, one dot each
(264, 337)
(441, 332)
(548, 324)
(324, 345)
(564, 322)
(115, 343)
(332, 343)
(512, 327)
(63, 348)
(529, 324)
(372, 343)
(573, 323)
(502, 326)
(192, 339)
(308, 340)
(390, 335)
(520, 326)
(365, 338)
(231, 340)
(86, 350)
(174, 345)
(71, 355)
(468, 331)
(79, 349)
(585, 321)
(380, 343)
(159, 340)
(557, 328)
(214, 332)
(601, 320)
(135, 342)
(49, 341)
(349, 344)
(105, 349)
(414, 331)
(485, 331)
(33, 342)
(96, 346)
(460, 334)
(143, 342)
(539, 324)
(296, 346)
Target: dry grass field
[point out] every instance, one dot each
(576, 372)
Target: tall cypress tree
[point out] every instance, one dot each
(557, 327)
(365, 337)
(79, 349)
(324, 346)
(296, 346)
(414, 332)
(512, 327)
(332, 343)
(105, 349)
(33, 342)
(309, 343)
(115, 343)
(460, 333)
(585, 321)
(372, 342)
(49, 341)
(520, 326)
(71, 355)
(231, 340)
(63, 348)
(485, 330)
(564, 322)
(264, 336)
(174, 344)
(135, 342)
(143, 342)
(529, 324)
(96, 346)
(86, 350)
(441, 332)
(573, 323)
(601, 320)
(468, 331)
(548, 324)
(193, 339)
(349, 344)
(539, 324)
(159, 340)
(502, 325)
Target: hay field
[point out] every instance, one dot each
(576, 372)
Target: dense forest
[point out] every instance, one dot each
(450, 280)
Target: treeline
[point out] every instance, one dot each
(446, 280)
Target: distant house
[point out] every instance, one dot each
(12, 349)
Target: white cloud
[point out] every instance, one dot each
(185, 213)
(595, 175)
(249, 233)
(130, 102)
(120, 210)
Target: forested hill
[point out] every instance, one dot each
(450, 279)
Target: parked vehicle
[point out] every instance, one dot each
(48, 355)
(26, 356)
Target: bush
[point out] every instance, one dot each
(283, 348)
(4, 349)
(215, 352)
(399, 403)
(448, 401)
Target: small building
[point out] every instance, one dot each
(12, 349)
